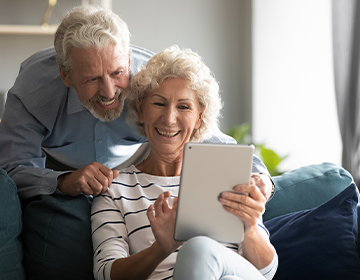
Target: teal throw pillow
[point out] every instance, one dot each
(306, 187)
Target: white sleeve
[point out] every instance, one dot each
(109, 235)
(269, 271)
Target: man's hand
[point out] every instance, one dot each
(93, 179)
(263, 182)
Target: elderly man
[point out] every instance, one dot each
(47, 120)
(63, 132)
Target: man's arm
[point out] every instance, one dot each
(21, 153)
(24, 160)
(220, 137)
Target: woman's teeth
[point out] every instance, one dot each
(167, 134)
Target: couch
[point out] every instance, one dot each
(313, 220)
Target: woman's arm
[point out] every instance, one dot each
(140, 265)
(111, 250)
(162, 222)
(256, 247)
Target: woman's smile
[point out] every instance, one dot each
(166, 133)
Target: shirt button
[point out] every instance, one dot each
(100, 141)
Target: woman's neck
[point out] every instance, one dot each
(165, 166)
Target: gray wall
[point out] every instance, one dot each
(220, 31)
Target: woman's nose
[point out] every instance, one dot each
(169, 116)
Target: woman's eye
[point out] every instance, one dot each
(159, 104)
(183, 107)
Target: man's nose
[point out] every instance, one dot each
(108, 88)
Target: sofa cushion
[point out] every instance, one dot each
(306, 187)
(10, 229)
(318, 243)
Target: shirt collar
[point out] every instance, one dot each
(74, 105)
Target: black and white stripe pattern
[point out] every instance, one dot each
(120, 226)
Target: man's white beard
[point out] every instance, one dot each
(107, 115)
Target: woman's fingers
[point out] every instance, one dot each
(246, 202)
(161, 204)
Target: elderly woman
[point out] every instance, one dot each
(173, 100)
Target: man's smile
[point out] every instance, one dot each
(105, 103)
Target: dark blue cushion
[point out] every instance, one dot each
(319, 243)
(10, 229)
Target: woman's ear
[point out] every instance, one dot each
(199, 121)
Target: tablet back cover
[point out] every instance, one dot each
(208, 170)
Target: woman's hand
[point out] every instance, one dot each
(162, 222)
(246, 202)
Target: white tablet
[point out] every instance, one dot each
(207, 171)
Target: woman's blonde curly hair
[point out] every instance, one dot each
(181, 64)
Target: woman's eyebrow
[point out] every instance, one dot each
(186, 99)
(158, 95)
(181, 99)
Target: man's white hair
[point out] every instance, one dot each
(89, 26)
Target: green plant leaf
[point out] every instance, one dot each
(271, 160)
(241, 133)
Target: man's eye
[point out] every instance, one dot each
(120, 73)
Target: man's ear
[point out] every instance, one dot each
(65, 77)
(140, 115)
